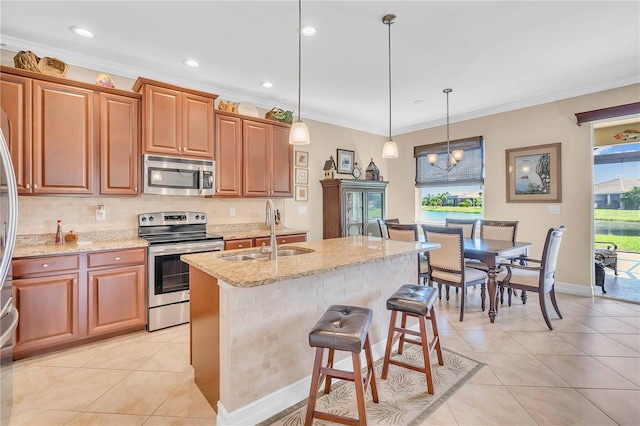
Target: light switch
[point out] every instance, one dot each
(554, 209)
(302, 210)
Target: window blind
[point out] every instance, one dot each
(469, 171)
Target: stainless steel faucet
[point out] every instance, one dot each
(270, 219)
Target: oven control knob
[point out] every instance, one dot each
(203, 217)
(144, 218)
(197, 216)
(151, 219)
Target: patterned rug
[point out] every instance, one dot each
(403, 397)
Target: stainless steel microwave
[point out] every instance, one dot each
(177, 176)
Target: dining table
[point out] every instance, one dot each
(491, 253)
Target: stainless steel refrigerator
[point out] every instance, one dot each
(8, 314)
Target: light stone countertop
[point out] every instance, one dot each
(328, 255)
(70, 248)
(254, 233)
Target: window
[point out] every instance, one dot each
(456, 193)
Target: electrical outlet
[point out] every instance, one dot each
(302, 210)
(101, 215)
(232, 211)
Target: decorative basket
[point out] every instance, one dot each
(28, 60)
(277, 114)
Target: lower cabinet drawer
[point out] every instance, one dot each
(115, 258)
(40, 265)
(238, 244)
(282, 239)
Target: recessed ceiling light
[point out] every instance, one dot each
(418, 101)
(266, 84)
(309, 31)
(191, 63)
(82, 32)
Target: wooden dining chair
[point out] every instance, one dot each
(382, 223)
(409, 232)
(447, 265)
(496, 230)
(539, 279)
(468, 226)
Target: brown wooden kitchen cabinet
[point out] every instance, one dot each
(58, 129)
(175, 121)
(15, 99)
(119, 141)
(352, 207)
(228, 156)
(68, 300)
(242, 243)
(238, 244)
(116, 292)
(47, 294)
(267, 160)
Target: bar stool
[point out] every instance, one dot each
(414, 301)
(342, 328)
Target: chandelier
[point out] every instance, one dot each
(452, 157)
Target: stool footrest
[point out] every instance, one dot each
(335, 418)
(340, 374)
(409, 366)
(407, 331)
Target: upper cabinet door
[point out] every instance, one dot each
(163, 120)
(63, 136)
(228, 156)
(15, 100)
(256, 158)
(197, 126)
(281, 161)
(119, 138)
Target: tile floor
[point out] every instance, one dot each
(585, 372)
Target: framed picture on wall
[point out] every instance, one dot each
(534, 174)
(302, 176)
(345, 160)
(302, 159)
(302, 193)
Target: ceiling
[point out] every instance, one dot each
(497, 56)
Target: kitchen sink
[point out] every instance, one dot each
(261, 256)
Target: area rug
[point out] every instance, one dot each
(403, 397)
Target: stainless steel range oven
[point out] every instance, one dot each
(170, 235)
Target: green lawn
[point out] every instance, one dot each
(620, 215)
(453, 209)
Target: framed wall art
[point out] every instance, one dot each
(345, 160)
(302, 193)
(534, 174)
(302, 159)
(302, 176)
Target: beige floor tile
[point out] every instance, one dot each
(485, 377)
(553, 406)
(632, 321)
(544, 343)
(629, 368)
(521, 369)
(75, 357)
(470, 406)
(172, 357)
(33, 379)
(22, 416)
(442, 416)
(630, 340)
(125, 356)
(75, 391)
(186, 401)
(133, 395)
(491, 341)
(585, 372)
(522, 323)
(623, 406)
(183, 337)
(597, 344)
(607, 325)
(165, 335)
(452, 340)
(106, 419)
(615, 309)
(565, 325)
(178, 421)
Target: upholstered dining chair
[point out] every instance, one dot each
(447, 265)
(468, 226)
(409, 232)
(382, 223)
(496, 230)
(539, 279)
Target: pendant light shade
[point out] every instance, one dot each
(390, 149)
(299, 133)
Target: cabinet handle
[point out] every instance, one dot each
(116, 258)
(135, 188)
(27, 186)
(35, 186)
(240, 246)
(90, 277)
(75, 281)
(45, 265)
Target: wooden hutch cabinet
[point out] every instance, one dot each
(352, 207)
(176, 121)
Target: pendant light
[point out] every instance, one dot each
(299, 133)
(390, 149)
(452, 157)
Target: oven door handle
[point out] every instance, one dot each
(185, 248)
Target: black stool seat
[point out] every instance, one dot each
(343, 328)
(413, 299)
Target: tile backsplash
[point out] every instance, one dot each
(38, 214)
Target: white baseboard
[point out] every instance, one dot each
(575, 289)
(281, 399)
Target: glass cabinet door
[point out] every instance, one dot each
(375, 211)
(354, 213)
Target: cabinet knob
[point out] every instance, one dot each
(135, 188)
(240, 246)
(116, 258)
(35, 186)
(90, 277)
(75, 281)
(27, 186)
(45, 265)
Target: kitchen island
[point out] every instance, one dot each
(250, 319)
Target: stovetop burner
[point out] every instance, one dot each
(174, 227)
